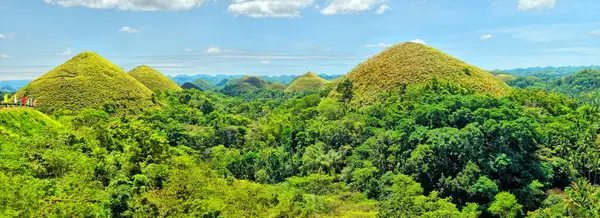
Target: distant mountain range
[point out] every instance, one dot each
(14, 84)
(556, 71)
(222, 79)
(7, 88)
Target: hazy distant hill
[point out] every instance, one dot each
(15, 84)
(217, 79)
(7, 88)
(556, 72)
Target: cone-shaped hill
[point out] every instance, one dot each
(203, 84)
(307, 82)
(245, 84)
(153, 79)
(413, 63)
(87, 80)
(277, 86)
(506, 77)
(191, 86)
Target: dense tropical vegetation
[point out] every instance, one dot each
(431, 150)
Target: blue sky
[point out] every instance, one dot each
(282, 37)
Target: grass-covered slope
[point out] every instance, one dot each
(413, 63)
(24, 122)
(277, 86)
(153, 79)
(506, 77)
(203, 84)
(87, 80)
(307, 82)
(191, 86)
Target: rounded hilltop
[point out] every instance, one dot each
(246, 84)
(87, 81)
(153, 79)
(413, 63)
(506, 77)
(203, 84)
(307, 82)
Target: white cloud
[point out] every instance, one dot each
(378, 45)
(126, 29)
(187, 50)
(486, 36)
(382, 9)
(268, 8)
(419, 41)
(350, 6)
(265, 62)
(133, 5)
(213, 50)
(531, 5)
(4, 56)
(593, 33)
(7, 36)
(67, 52)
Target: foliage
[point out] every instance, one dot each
(436, 149)
(505, 205)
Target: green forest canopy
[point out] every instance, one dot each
(431, 150)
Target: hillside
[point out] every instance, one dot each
(203, 84)
(24, 122)
(413, 63)
(191, 86)
(307, 82)
(277, 86)
(506, 77)
(87, 80)
(245, 84)
(153, 79)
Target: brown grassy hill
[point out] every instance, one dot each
(413, 63)
(153, 79)
(87, 80)
(307, 82)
